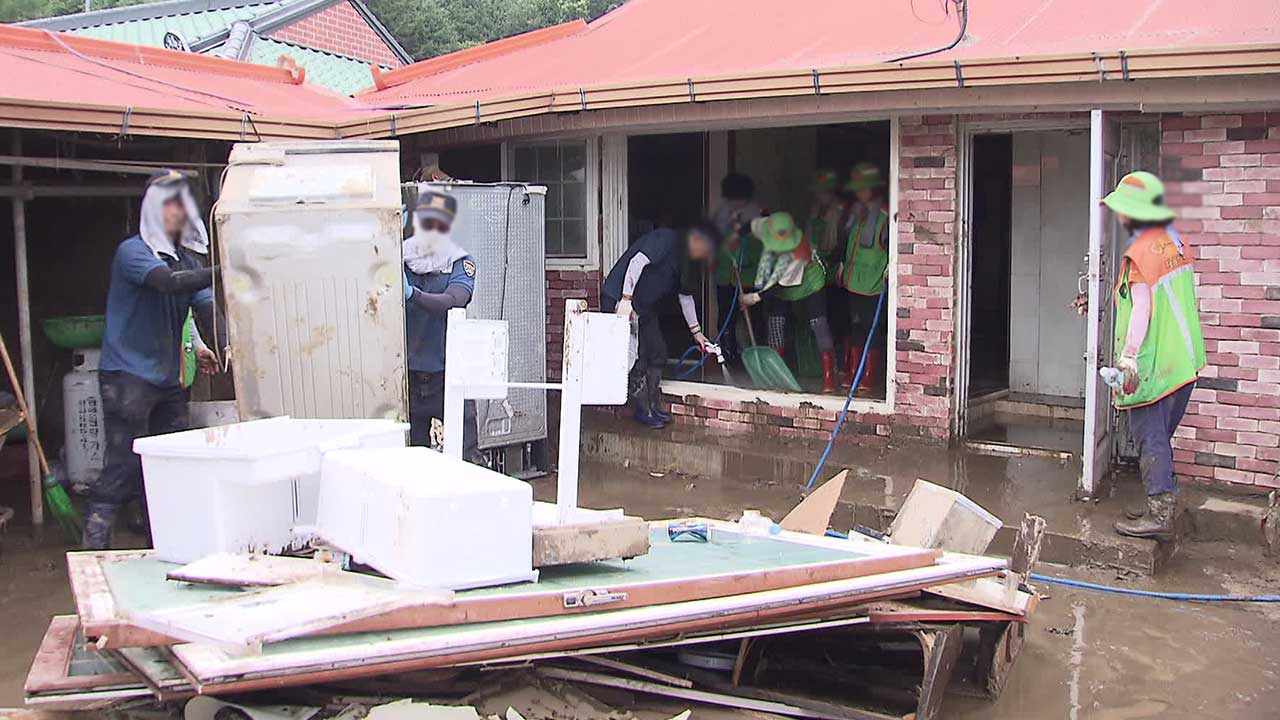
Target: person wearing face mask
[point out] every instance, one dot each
(158, 277)
(740, 249)
(439, 276)
(1158, 342)
(862, 272)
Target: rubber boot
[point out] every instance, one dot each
(99, 520)
(828, 372)
(654, 384)
(1134, 512)
(1156, 524)
(855, 357)
(643, 413)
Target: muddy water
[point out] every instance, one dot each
(1088, 655)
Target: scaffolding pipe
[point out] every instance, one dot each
(24, 335)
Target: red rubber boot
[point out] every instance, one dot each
(828, 372)
(855, 356)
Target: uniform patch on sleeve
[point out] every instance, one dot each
(469, 268)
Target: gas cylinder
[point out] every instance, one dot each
(82, 417)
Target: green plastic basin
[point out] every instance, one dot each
(74, 331)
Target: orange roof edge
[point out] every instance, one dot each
(107, 50)
(443, 63)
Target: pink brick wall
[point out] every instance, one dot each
(563, 285)
(339, 29)
(1222, 174)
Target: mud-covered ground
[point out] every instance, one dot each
(1088, 655)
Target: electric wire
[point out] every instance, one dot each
(962, 11)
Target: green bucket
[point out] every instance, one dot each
(74, 331)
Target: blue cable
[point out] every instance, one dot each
(857, 378)
(1196, 597)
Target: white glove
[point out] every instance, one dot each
(701, 340)
(1128, 364)
(624, 308)
(751, 298)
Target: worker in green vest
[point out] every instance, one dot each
(790, 279)
(823, 224)
(738, 250)
(1158, 342)
(862, 273)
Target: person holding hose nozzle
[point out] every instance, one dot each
(662, 263)
(1159, 345)
(157, 278)
(439, 276)
(791, 275)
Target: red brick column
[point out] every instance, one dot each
(563, 285)
(926, 291)
(1222, 174)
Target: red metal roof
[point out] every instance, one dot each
(59, 69)
(648, 40)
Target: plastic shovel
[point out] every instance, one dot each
(765, 366)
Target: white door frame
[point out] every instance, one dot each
(964, 247)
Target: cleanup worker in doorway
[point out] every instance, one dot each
(1158, 342)
(865, 262)
(157, 277)
(439, 276)
(791, 278)
(662, 263)
(739, 248)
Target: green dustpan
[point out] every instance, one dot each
(765, 366)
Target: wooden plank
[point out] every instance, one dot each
(903, 612)
(813, 514)
(988, 593)
(50, 670)
(628, 581)
(941, 647)
(565, 544)
(157, 669)
(252, 570)
(321, 660)
(637, 670)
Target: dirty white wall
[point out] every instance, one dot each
(1050, 239)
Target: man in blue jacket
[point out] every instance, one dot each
(439, 276)
(157, 277)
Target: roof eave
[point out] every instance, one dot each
(130, 13)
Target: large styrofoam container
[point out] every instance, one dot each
(427, 519)
(244, 487)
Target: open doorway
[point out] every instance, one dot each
(1029, 219)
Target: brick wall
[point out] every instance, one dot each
(339, 29)
(1222, 174)
(563, 285)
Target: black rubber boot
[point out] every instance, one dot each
(1156, 523)
(99, 521)
(1135, 512)
(653, 385)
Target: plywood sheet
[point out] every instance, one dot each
(670, 572)
(252, 570)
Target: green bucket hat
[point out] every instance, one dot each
(1139, 195)
(777, 232)
(864, 176)
(825, 180)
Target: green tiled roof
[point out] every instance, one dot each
(336, 72)
(191, 26)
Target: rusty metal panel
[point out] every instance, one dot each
(309, 240)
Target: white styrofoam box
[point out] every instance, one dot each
(243, 487)
(476, 355)
(604, 375)
(427, 519)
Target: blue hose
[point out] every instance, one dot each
(1195, 597)
(728, 317)
(857, 378)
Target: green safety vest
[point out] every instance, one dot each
(813, 280)
(188, 352)
(815, 230)
(750, 255)
(1172, 353)
(864, 265)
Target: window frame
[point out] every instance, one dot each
(591, 259)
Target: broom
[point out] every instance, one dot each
(55, 496)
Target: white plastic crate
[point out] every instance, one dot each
(427, 519)
(244, 487)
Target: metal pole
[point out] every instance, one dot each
(24, 335)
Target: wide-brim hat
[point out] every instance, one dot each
(1139, 195)
(777, 232)
(825, 180)
(864, 176)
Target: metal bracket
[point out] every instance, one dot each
(477, 112)
(582, 98)
(817, 82)
(692, 97)
(124, 122)
(592, 598)
(244, 127)
(393, 125)
(1102, 69)
(1124, 65)
(959, 73)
